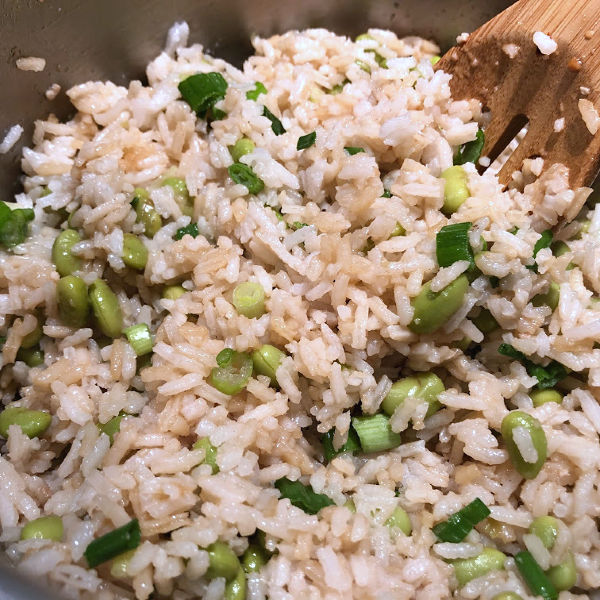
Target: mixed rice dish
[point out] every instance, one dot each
(268, 333)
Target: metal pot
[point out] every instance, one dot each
(83, 40)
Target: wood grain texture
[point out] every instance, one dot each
(543, 88)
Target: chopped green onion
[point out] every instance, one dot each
(386, 194)
(363, 65)
(266, 360)
(210, 453)
(191, 229)
(249, 299)
(113, 543)
(140, 338)
(232, 373)
(202, 91)
(338, 88)
(112, 426)
(547, 376)
(400, 519)
(375, 433)
(380, 60)
(302, 496)
(458, 525)
(13, 224)
(544, 242)
(435, 59)
(173, 292)
(276, 125)
(352, 150)
(535, 578)
(298, 225)
(471, 151)
(329, 452)
(452, 244)
(259, 89)
(306, 141)
(244, 175)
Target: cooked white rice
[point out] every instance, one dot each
(338, 299)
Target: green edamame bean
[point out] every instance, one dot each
(172, 292)
(519, 419)
(182, 195)
(242, 146)
(236, 589)
(64, 261)
(72, 299)
(456, 190)
(33, 337)
(135, 254)
(210, 453)
(106, 309)
(145, 212)
(485, 322)
(400, 519)
(467, 569)
(32, 357)
(564, 575)
(433, 309)
(425, 386)
(32, 422)
(266, 361)
(540, 397)
(44, 528)
(254, 559)
(118, 568)
(546, 528)
(223, 561)
(507, 596)
(550, 298)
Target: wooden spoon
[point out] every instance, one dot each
(535, 87)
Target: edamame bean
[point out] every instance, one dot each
(33, 337)
(64, 261)
(135, 254)
(182, 195)
(546, 528)
(400, 519)
(242, 146)
(32, 357)
(223, 561)
(485, 321)
(254, 559)
(456, 190)
(550, 298)
(236, 589)
(72, 300)
(266, 361)
(433, 309)
(106, 309)
(467, 569)
(118, 568)
(172, 292)
(32, 422)
(521, 424)
(145, 212)
(424, 386)
(44, 528)
(507, 596)
(210, 453)
(564, 575)
(540, 397)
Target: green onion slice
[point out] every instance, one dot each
(259, 89)
(244, 175)
(380, 60)
(386, 194)
(140, 338)
(276, 125)
(544, 242)
(191, 229)
(452, 244)
(375, 433)
(547, 376)
(306, 141)
(14, 224)
(536, 579)
(249, 299)
(471, 151)
(329, 452)
(232, 373)
(458, 525)
(352, 150)
(302, 496)
(113, 543)
(112, 426)
(202, 91)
